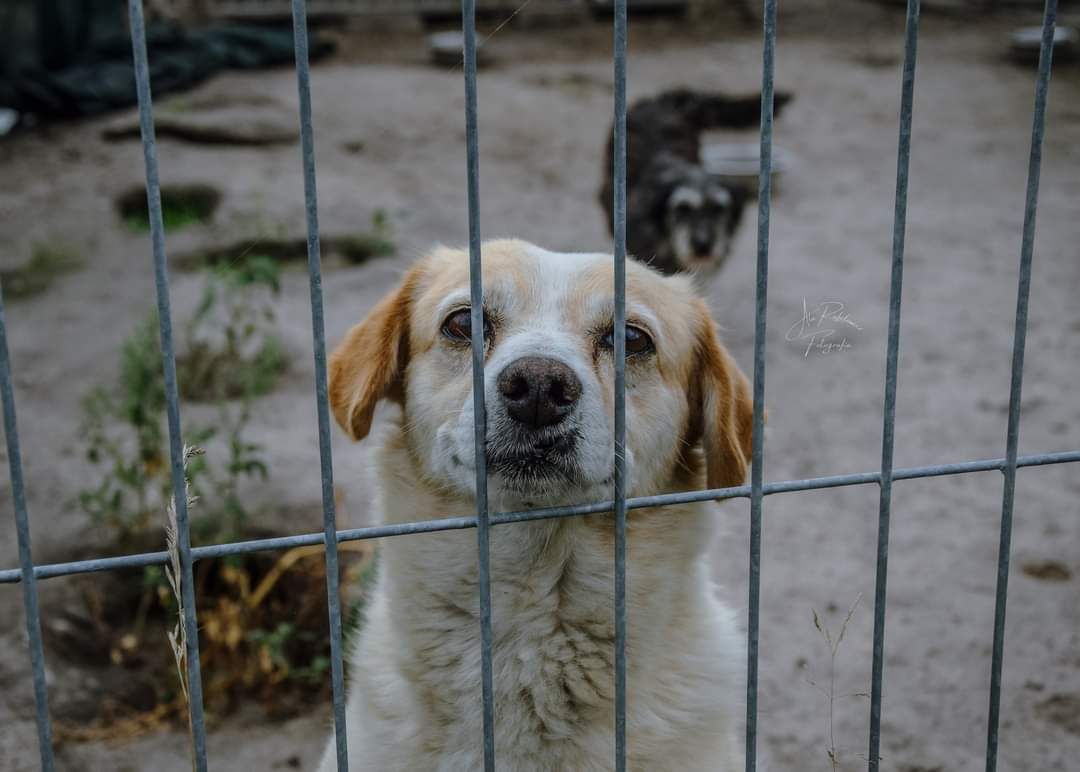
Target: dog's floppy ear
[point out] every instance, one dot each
(369, 364)
(722, 408)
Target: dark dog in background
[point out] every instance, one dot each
(679, 217)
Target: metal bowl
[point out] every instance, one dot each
(1027, 41)
(448, 49)
(740, 162)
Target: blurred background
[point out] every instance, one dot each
(75, 265)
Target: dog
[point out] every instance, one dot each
(679, 217)
(415, 699)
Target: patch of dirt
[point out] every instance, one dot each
(336, 251)
(1047, 570)
(214, 119)
(1062, 710)
(46, 264)
(264, 637)
(223, 127)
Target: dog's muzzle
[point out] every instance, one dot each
(534, 436)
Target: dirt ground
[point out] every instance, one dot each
(545, 110)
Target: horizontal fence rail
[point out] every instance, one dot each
(28, 573)
(209, 552)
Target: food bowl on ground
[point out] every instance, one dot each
(1027, 41)
(739, 163)
(448, 49)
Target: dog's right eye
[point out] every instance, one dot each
(458, 326)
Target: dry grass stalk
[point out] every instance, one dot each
(178, 635)
(830, 692)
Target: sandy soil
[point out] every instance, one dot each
(544, 116)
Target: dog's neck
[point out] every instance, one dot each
(447, 562)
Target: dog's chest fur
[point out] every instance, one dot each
(553, 625)
(417, 666)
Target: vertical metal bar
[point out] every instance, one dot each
(757, 468)
(1038, 129)
(907, 92)
(318, 334)
(619, 477)
(176, 447)
(476, 294)
(26, 560)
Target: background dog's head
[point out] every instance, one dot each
(694, 213)
(548, 377)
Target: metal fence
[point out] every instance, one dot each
(28, 573)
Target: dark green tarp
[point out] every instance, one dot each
(88, 74)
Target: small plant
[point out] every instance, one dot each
(231, 351)
(275, 659)
(124, 430)
(181, 206)
(244, 460)
(829, 691)
(46, 263)
(263, 626)
(229, 356)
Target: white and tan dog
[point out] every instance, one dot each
(415, 701)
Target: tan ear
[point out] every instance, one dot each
(722, 406)
(369, 364)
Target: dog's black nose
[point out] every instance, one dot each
(702, 244)
(538, 391)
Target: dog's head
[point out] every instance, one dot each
(697, 213)
(548, 377)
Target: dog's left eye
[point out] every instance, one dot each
(638, 341)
